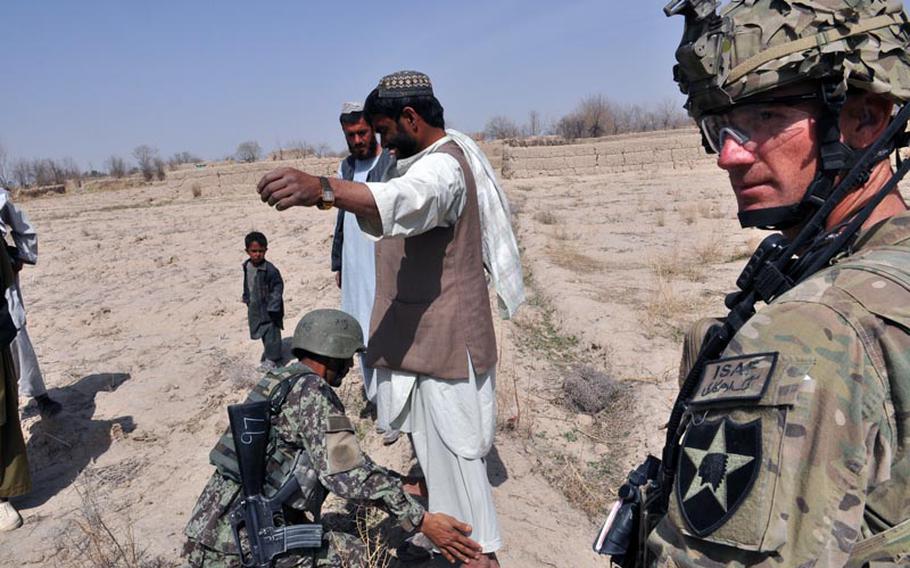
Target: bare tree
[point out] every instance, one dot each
(534, 128)
(248, 151)
(598, 115)
(323, 150)
(159, 169)
(116, 166)
(5, 168)
(669, 114)
(184, 158)
(22, 173)
(500, 127)
(145, 157)
(71, 170)
(571, 126)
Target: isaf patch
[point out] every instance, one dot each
(717, 468)
(742, 378)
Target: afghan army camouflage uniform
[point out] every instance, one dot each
(310, 431)
(797, 448)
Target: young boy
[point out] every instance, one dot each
(262, 293)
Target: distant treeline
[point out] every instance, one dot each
(594, 116)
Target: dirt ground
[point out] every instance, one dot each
(135, 312)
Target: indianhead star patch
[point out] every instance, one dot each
(718, 465)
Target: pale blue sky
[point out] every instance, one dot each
(89, 79)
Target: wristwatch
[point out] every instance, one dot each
(328, 196)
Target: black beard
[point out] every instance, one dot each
(404, 145)
(371, 150)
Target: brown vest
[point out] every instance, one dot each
(432, 305)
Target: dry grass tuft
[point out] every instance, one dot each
(746, 249)
(689, 212)
(368, 524)
(97, 543)
(675, 265)
(546, 218)
(197, 190)
(711, 249)
(565, 255)
(583, 486)
(668, 311)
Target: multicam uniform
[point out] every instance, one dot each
(309, 431)
(797, 447)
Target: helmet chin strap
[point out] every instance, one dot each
(834, 157)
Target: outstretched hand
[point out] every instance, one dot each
(450, 537)
(286, 187)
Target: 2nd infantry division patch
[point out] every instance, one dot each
(717, 467)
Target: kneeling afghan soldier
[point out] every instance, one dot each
(311, 448)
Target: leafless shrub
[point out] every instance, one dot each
(589, 390)
(197, 190)
(248, 151)
(500, 127)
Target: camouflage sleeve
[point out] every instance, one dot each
(343, 469)
(788, 430)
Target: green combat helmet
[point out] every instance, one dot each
(752, 47)
(331, 333)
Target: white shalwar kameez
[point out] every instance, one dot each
(15, 223)
(358, 273)
(452, 422)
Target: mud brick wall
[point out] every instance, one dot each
(231, 176)
(674, 149)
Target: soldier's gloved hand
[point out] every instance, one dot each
(450, 537)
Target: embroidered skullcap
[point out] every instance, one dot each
(405, 84)
(349, 107)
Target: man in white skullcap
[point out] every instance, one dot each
(353, 252)
(443, 224)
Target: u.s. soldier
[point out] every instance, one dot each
(312, 433)
(795, 448)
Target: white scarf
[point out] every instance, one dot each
(500, 248)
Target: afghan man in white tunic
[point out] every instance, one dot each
(353, 252)
(441, 222)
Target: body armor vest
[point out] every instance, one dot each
(282, 461)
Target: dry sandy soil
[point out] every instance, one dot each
(135, 312)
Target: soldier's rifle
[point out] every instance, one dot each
(775, 267)
(258, 521)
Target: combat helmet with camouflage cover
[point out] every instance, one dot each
(330, 333)
(752, 47)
